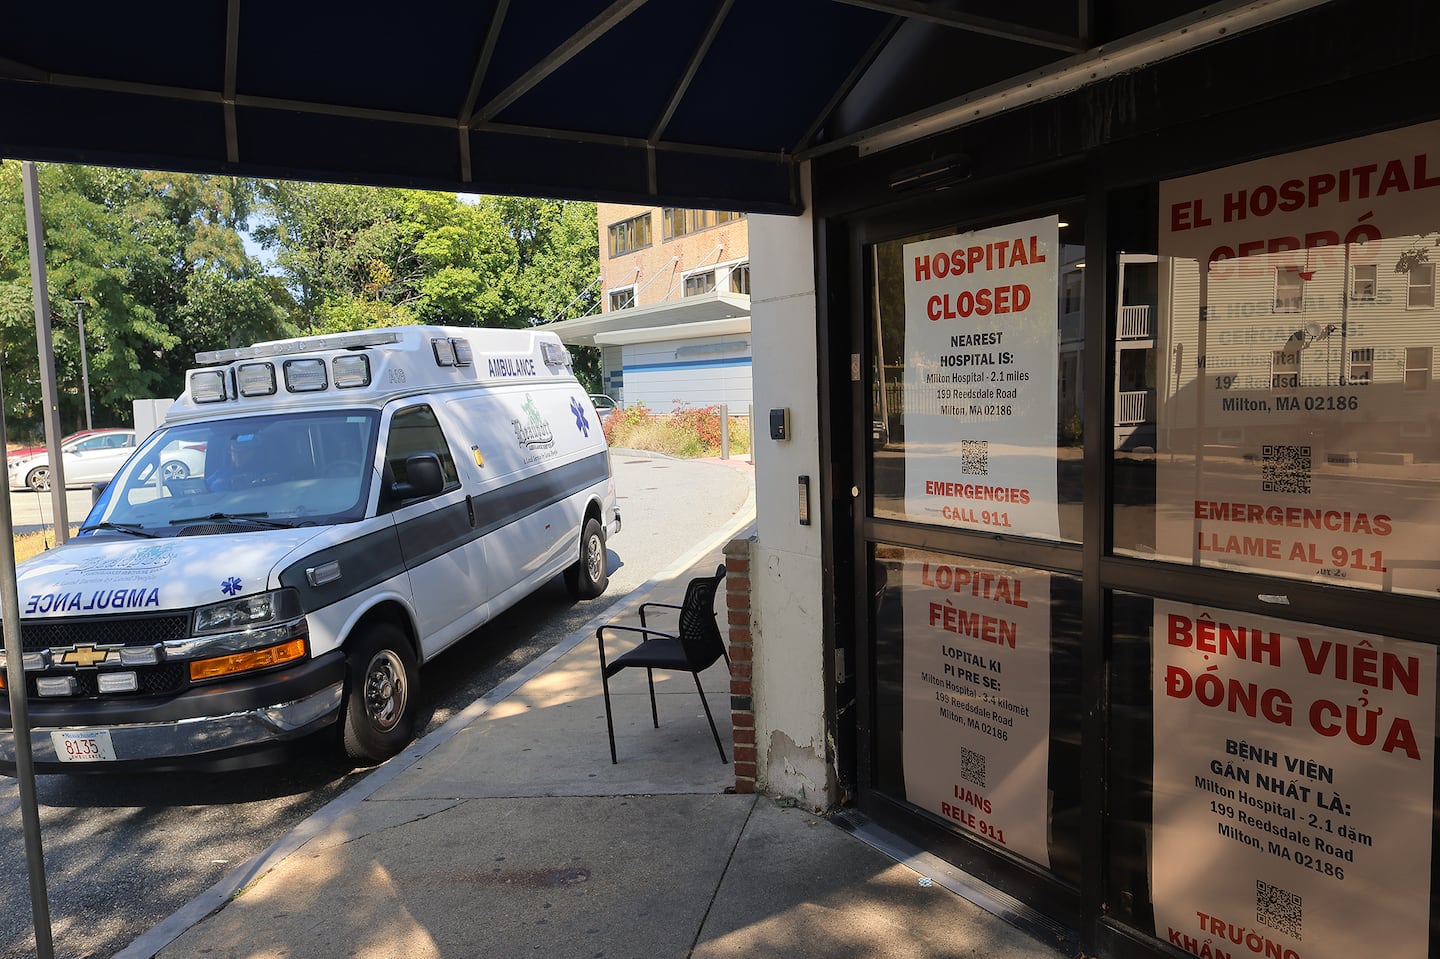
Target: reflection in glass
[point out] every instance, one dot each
(892, 398)
(1297, 426)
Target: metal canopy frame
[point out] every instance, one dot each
(739, 99)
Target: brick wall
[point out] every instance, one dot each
(742, 705)
(672, 257)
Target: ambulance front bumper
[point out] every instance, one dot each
(232, 725)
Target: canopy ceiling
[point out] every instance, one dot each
(705, 103)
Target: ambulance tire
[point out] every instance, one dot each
(589, 576)
(381, 691)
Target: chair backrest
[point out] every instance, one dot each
(699, 632)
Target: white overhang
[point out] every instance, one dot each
(709, 314)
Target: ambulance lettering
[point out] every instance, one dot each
(505, 366)
(80, 601)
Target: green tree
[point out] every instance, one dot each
(471, 262)
(159, 267)
(357, 257)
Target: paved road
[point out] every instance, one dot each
(123, 852)
(32, 511)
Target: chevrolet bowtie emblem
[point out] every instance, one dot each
(84, 656)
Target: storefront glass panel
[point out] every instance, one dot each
(976, 393)
(977, 701)
(1272, 784)
(1296, 426)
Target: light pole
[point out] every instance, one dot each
(84, 360)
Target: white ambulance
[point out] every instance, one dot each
(314, 519)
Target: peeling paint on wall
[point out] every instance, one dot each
(799, 772)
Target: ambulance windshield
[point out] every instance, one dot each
(293, 469)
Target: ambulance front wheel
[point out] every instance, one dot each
(588, 577)
(381, 687)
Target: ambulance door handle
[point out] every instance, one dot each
(470, 505)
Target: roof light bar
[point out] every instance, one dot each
(452, 351)
(208, 386)
(305, 376)
(351, 372)
(255, 379)
(464, 354)
(308, 344)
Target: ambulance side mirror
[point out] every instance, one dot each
(423, 477)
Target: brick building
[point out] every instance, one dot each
(675, 323)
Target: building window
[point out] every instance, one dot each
(1285, 369)
(1417, 368)
(1289, 290)
(679, 222)
(1362, 367)
(698, 283)
(622, 299)
(1362, 282)
(1422, 286)
(1074, 292)
(740, 278)
(630, 235)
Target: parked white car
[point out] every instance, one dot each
(91, 457)
(95, 456)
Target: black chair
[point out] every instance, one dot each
(693, 647)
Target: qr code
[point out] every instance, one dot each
(1285, 469)
(975, 457)
(972, 767)
(1277, 908)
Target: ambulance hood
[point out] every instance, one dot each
(97, 577)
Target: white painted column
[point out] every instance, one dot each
(785, 569)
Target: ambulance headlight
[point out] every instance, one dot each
(248, 612)
(208, 386)
(305, 376)
(244, 634)
(351, 372)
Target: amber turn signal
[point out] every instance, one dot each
(248, 660)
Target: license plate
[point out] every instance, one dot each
(83, 746)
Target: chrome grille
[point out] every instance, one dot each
(103, 631)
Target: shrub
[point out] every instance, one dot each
(622, 422)
(685, 432)
(1072, 431)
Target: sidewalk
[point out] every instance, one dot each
(509, 833)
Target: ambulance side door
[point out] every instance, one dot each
(443, 551)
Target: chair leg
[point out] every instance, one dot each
(609, 725)
(713, 731)
(650, 678)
